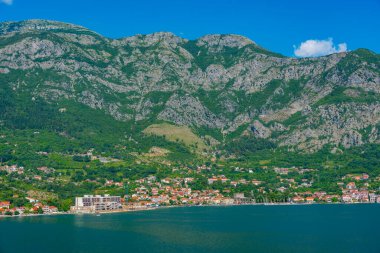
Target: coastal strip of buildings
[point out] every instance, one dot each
(190, 187)
(37, 208)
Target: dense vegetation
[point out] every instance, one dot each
(89, 115)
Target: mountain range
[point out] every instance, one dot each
(205, 93)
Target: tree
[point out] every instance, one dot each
(65, 205)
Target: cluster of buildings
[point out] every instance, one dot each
(176, 191)
(356, 177)
(12, 169)
(204, 186)
(352, 194)
(220, 178)
(45, 169)
(20, 170)
(178, 196)
(112, 183)
(310, 197)
(173, 191)
(356, 190)
(285, 171)
(233, 183)
(6, 209)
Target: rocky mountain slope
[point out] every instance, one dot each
(223, 86)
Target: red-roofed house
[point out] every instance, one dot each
(310, 200)
(5, 204)
(298, 199)
(351, 185)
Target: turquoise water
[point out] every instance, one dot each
(313, 228)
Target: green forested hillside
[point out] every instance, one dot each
(95, 108)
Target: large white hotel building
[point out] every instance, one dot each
(93, 203)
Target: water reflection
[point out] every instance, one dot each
(206, 229)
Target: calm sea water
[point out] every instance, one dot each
(315, 228)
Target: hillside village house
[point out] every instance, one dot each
(4, 204)
(214, 179)
(12, 169)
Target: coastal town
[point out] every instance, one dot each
(198, 186)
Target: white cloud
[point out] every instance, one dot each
(7, 2)
(314, 48)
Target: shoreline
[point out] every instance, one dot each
(177, 206)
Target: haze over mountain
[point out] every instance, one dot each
(222, 87)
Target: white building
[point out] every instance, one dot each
(372, 198)
(93, 203)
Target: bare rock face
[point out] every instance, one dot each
(336, 124)
(36, 25)
(224, 83)
(352, 138)
(187, 110)
(217, 42)
(374, 136)
(259, 130)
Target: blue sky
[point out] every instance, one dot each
(324, 26)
